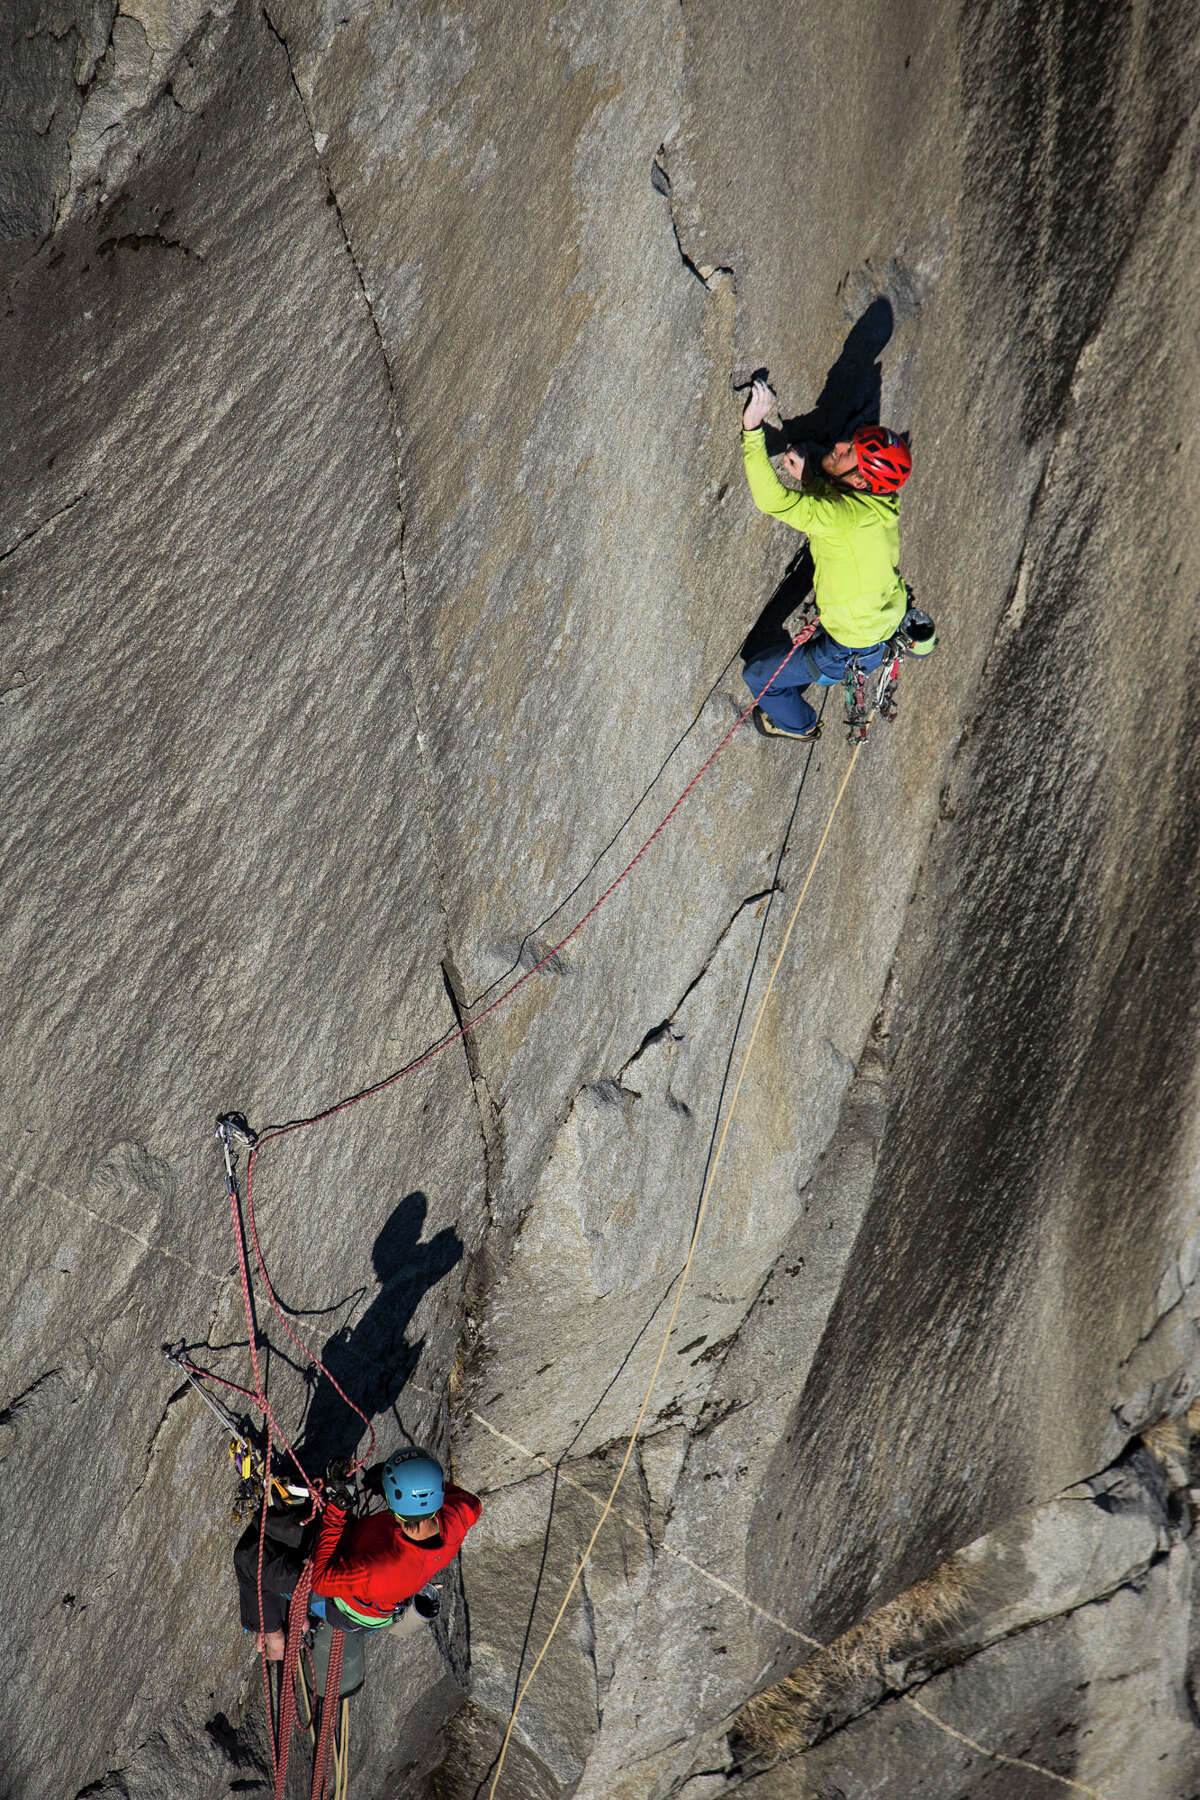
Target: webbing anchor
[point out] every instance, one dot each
(237, 1427)
(232, 1129)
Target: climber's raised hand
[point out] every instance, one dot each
(757, 406)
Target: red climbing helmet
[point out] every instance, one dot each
(884, 460)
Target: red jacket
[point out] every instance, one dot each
(372, 1566)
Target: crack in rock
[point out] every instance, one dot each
(44, 525)
(587, 1642)
(89, 73)
(1137, 1486)
(666, 1027)
(709, 275)
(147, 240)
(488, 1114)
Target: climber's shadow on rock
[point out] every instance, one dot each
(769, 630)
(372, 1360)
(853, 388)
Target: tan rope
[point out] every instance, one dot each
(640, 1526)
(687, 1266)
(607, 1506)
(736, 1593)
(341, 1751)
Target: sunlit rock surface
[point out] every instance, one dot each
(374, 562)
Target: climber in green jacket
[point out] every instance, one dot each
(850, 509)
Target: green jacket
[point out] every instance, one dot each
(855, 543)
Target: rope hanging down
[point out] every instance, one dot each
(450, 1038)
(378, 1087)
(662, 1547)
(233, 1128)
(683, 1278)
(455, 1036)
(606, 1509)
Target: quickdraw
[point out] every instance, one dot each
(915, 629)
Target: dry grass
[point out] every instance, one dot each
(790, 1716)
(787, 1717)
(456, 1378)
(1169, 1441)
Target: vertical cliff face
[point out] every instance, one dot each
(374, 560)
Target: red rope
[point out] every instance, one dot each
(262, 1624)
(330, 1702)
(185, 1362)
(297, 1623)
(309, 1354)
(260, 1392)
(298, 1609)
(454, 1037)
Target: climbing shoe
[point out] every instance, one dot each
(769, 728)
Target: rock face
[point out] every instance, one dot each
(374, 558)
(1067, 1629)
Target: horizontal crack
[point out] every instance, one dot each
(147, 240)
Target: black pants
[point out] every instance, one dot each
(283, 1556)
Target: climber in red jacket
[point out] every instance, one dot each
(366, 1570)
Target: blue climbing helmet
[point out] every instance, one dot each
(412, 1484)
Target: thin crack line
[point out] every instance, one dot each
(656, 1031)
(126, 1231)
(427, 783)
(660, 180)
(43, 525)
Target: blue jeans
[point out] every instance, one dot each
(822, 660)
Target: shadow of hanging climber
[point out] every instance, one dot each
(769, 630)
(853, 387)
(372, 1360)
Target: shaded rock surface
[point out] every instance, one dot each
(374, 555)
(1097, 1696)
(1059, 1584)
